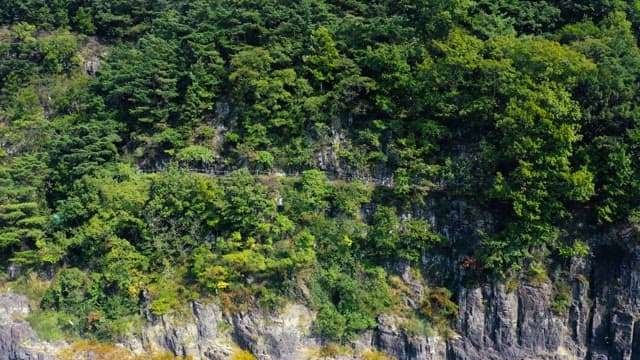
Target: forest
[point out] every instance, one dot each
(527, 110)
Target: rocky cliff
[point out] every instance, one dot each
(204, 331)
(598, 321)
(587, 309)
(17, 340)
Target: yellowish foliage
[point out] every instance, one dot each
(330, 350)
(93, 350)
(242, 355)
(375, 355)
(84, 349)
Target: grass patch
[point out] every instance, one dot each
(512, 284)
(242, 355)
(537, 274)
(332, 349)
(562, 299)
(85, 349)
(46, 324)
(375, 355)
(31, 285)
(418, 327)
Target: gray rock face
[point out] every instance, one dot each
(283, 336)
(394, 340)
(495, 322)
(600, 323)
(17, 340)
(91, 66)
(193, 332)
(613, 333)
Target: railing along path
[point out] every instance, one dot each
(331, 175)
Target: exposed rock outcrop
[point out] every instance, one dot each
(285, 336)
(496, 324)
(193, 332)
(18, 341)
(393, 339)
(518, 320)
(599, 323)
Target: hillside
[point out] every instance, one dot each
(392, 169)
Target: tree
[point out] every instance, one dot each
(324, 58)
(538, 132)
(246, 206)
(204, 75)
(271, 100)
(23, 215)
(610, 115)
(141, 85)
(82, 149)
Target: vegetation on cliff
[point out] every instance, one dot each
(526, 110)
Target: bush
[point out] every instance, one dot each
(440, 310)
(46, 325)
(242, 355)
(537, 273)
(331, 350)
(375, 355)
(330, 324)
(562, 299)
(264, 160)
(196, 154)
(67, 292)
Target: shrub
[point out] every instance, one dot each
(242, 355)
(196, 154)
(375, 355)
(264, 160)
(45, 324)
(330, 323)
(562, 299)
(537, 273)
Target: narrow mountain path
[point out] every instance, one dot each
(331, 175)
